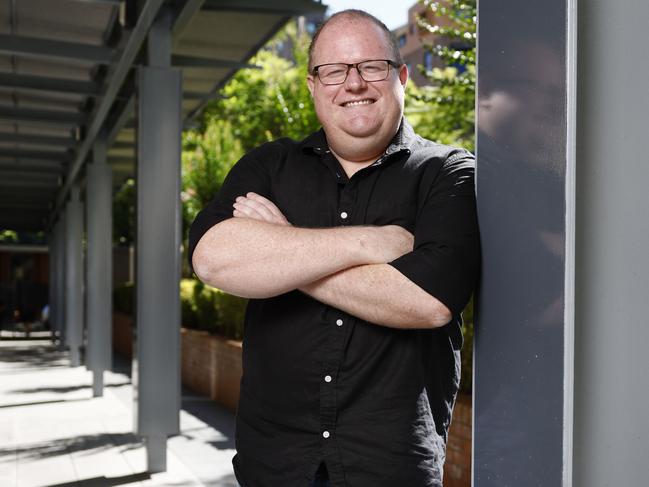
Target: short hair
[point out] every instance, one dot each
(355, 14)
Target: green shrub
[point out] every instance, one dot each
(466, 380)
(206, 308)
(202, 307)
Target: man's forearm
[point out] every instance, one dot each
(380, 294)
(257, 259)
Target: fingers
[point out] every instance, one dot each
(259, 208)
(268, 204)
(253, 209)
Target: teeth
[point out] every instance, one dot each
(359, 102)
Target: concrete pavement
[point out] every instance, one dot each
(54, 433)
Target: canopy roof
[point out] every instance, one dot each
(66, 76)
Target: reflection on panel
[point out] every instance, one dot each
(519, 375)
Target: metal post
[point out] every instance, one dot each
(156, 371)
(99, 278)
(52, 288)
(74, 277)
(61, 249)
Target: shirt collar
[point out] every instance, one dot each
(402, 140)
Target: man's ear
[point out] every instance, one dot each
(403, 75)
(310, 82)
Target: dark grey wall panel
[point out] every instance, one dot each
(520, 358)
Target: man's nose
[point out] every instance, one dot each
(354, 79)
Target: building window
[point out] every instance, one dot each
(402, 40)
(428, 60)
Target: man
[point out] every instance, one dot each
(359, 249)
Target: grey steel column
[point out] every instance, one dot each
(156, 368)
(525, 189)
(52, 289)
(74, 277)
(61, 250)
(611, 360)
(99, 223)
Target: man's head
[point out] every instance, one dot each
(359, 117)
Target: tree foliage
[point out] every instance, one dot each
(124, 214)
(207, 157)
(273, 101)
(445, 111)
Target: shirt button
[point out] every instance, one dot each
(339, 322)
(327, 378)
(343, 215)
(325, 434)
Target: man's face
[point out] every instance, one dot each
(360, 118)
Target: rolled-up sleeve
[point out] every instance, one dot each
(248, 174)
(445, 261)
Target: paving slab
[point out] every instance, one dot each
(53, 433)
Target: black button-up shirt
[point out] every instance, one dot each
(319, 385)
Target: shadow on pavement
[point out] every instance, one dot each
(61, 389)
(106, 481)
(39, 403)
(65, 446)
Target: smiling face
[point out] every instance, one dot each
(360, 118)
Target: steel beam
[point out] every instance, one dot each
(35, 154)
(114, 83)
(15, 44)
(214, 92)
(49, 84)
(121, 120)
(46, 116)
(123, 145)
(280, 7)
(201, 62)
(184, 17)
(14, 205)
(17, 175)
(31, 165)
(5, 182)
(37, 139)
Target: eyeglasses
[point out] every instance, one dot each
(336, 73)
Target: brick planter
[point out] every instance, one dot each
(123, 334)
(211, 365)
(457, 470)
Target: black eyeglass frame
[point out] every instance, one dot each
(314, 71)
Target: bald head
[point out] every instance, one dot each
(351, 16)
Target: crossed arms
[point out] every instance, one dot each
(258, 254)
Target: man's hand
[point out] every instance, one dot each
(257, 207)
(386, 243)
(383, 244)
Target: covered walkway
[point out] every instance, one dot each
(54, 433)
